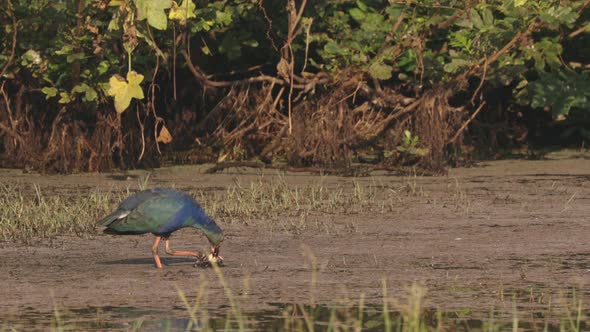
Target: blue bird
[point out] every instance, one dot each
(161, 211)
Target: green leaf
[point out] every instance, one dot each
(380, 71)
(461, 39)
(230, 46)
(223, 18)
(153, 10)
(124, 90)
(64, 98)
(560, 91)
(407, 61)
(206, 50)
(487, 17)
(332, 48)
(183, 12)
(546, 52)
(357, 14)
(66, 49)
(114, 22)
(250, 42)
(89, 93)
(362, 6)
(476, 19)
(49, 92)
(31, 56)
(103, 67)
(73, 57)
(518, 3)
(455, 65)
(560, 15)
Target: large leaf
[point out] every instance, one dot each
(153, 10)
(124, 90)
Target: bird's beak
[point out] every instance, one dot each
(215, 251)
(215, 254)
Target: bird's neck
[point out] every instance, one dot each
(213, 233)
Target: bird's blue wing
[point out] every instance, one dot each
(154, 215)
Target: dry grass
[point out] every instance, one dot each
(26, 215)
(41, 213)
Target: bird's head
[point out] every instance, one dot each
(214, 255)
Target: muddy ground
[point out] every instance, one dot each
(473, 238)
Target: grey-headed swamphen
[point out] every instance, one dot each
(162, 211)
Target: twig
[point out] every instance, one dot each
(141, 127)
(579, 31)
(450, 20)
(307, 32)
(584, 5)
(202, 78)
(494, 57)
(174, 60)
(483, 78)
(272, 42)
(297, 19)
(152, 107)
(466, 123)
(12, 133)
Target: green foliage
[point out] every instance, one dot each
(410, 146)
(69, 52)
(559, 91)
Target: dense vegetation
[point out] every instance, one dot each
(89, 85)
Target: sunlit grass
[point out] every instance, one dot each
(41, 213)
(23, 217)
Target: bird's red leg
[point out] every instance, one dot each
(155, 252)
(171, 252)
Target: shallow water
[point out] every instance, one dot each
(281, 317)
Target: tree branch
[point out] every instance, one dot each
(306, 83)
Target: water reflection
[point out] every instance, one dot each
(280, 317)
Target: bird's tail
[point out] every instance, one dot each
(119, 214)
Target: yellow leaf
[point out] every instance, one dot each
(183, 12)
(123, 90)
(164, 136)
(65, 98)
